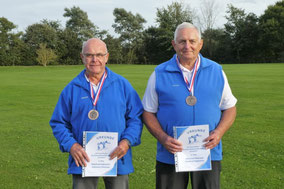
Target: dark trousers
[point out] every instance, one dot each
(118, 182)
(167, 178)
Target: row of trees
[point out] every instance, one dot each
(245, 37)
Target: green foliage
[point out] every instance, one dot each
(70, 47)
(115, 50)
(78, 29)
(37, 34)
(127, 25)
(79, 23)
(157, 40)
(53, 24)
(253, 147)
(130, 28)
(245, 38)
(272, 29)
(240, 29)
(44, 55)
(5, 26)
(11, 46)
(176, 13)
(212, 44)
(158, 46)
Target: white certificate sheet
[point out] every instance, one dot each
(99, 146)
(194, 156)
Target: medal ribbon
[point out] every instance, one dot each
(95, 96)
(192, 78)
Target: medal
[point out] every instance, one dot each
(93, 114)
(191, 100)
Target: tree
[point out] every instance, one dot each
(127, 25)
(35, 35)
(115, 50)
(242, 29)
(80, 24)
(78, 29)
(44, 55)
(272, 32)
(130, 28)
(209, 12)
(158, 39)
(5, 40)
(53, 24)
(11, 46)
(215, 45)
(70, 46)
(176, 13)
(153, 52)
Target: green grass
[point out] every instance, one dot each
(30, 157)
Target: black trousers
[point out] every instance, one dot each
(118, 182)
(167, 178)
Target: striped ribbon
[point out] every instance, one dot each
(95, 95)
(190, 84)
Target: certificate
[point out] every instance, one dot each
(98, 146)
(194, 156)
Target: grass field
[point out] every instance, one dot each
(30, 157)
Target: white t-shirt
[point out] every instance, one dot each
(95, 87)
(150, 99)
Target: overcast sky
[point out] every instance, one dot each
(26, 12)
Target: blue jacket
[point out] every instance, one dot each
(119, 108)
(173, 110)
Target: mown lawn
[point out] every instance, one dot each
(30, 157)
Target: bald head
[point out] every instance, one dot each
(94, 56)
(94, 42)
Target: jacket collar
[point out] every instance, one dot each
(81, 81)
(173, 67)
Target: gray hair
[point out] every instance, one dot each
(186, 25)
(83, 46)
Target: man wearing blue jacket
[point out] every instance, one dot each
(188, 90)
(97, 100)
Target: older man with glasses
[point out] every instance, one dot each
(97, 100)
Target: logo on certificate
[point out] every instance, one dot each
(194, 139)
(102, 145)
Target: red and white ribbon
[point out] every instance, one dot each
(95, 95)
(190, 85)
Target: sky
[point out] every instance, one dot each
(27, 12)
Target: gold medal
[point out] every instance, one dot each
(93, 114)
(191, 100)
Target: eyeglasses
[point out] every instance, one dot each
(98, 55)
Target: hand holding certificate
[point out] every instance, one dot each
(99, 146)
(194, 156)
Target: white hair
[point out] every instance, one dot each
(83, 46)
(186, 25)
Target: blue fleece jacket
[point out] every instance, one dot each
(173, 110)
(119, 108)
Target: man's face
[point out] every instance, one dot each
(188, 44)
(95, 57)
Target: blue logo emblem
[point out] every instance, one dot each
(102, 145)
(193, 139)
